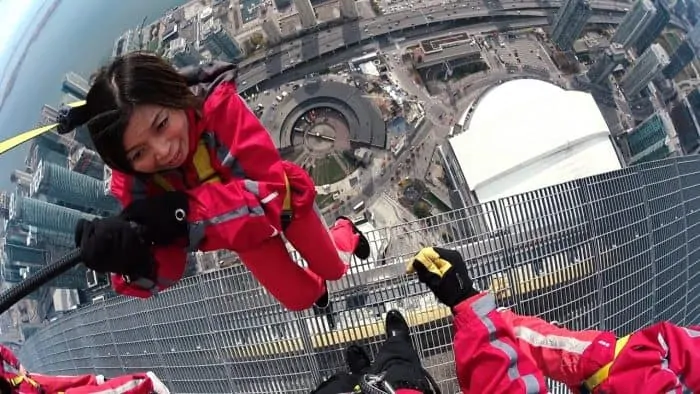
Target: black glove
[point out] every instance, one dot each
(163, 217)
(114, 245)
(445, 274)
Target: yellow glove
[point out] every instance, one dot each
(445, 274)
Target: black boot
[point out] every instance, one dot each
(362, 249)
(324, 307)
(323, 301)
(395, 325)
(357, 359)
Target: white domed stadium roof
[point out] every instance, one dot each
(527, 134)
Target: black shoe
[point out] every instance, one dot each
(324, 307)
(323, 300)
(357, 359)
(395, 325)
(362, 250)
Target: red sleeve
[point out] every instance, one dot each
(9, 357)
(250, 147)
(558, 352)
(683, 353)
(407, 391)
(487, 357)
(170, 260)
(240, 214)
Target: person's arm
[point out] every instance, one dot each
(683, 353)
(9, 358)
(487, 357)
(218, 216)
(555, 350)
(251, 152)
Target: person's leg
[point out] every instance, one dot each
(563, 355)
(54, 384)
(341, 382)
(398, 360)
(398, 347)
(293, 286)
(309, 236)
(140, 383)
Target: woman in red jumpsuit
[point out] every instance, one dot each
(201, 175)
(143, 383)
(22, 382)
(498, 351)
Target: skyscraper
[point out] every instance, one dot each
(47, 237)
(653, 29)
(182, 54)
(648, 141)
(48, 114)
(42, 214)
(26, 255)
(307, 15)
(86, 161)
(270, 26)
(684, 54)
(686, 119)
(215, 38)
(634, 23)
(348, 9)
(21, 178)
(127, 42)
(647, 66)
(606, 63)
(569, 23)
(70, 187)
(76, 85)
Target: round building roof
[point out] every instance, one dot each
(526, 134)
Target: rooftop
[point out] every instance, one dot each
(526, 134)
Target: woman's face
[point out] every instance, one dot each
(156, 138)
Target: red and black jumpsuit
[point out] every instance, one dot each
(83, 384)
(237, 184)
(498, 351)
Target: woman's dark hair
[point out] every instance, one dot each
(130, 80)
(5, 386)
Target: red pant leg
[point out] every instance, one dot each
(563, 355)
(128, 384)
(293, 286)
(309, 236)
(53, 384)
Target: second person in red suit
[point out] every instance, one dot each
(201, 173)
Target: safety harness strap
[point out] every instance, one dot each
(17, 381)
(287, 214)
(599, 377)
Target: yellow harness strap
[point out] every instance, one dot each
(202, 164)
(207, 174)
(17, 380)
(287, 203)
(599, 377)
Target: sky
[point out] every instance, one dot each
(14, 14)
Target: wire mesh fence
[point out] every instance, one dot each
(616, 251)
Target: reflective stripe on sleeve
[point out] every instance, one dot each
(482, 307)
(198, 228)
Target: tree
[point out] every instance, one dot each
(257, 39)
(421, 209)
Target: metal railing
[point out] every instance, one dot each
(616, 251)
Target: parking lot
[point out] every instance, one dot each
(520, 49)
